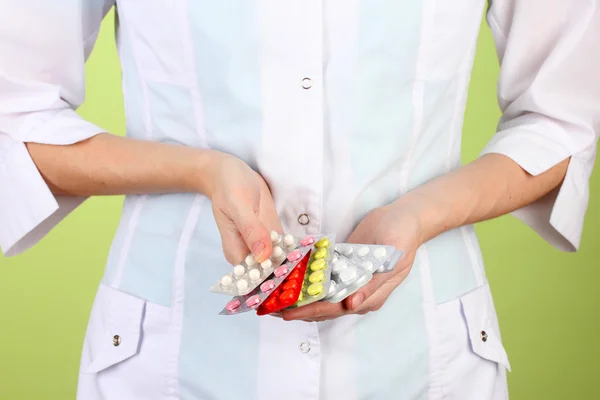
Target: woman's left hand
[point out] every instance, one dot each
(389, 225)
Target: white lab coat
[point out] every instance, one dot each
(342, 106)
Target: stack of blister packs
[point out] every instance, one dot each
(303, 271)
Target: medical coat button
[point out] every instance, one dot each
(306, 83)
(484, 336)
(305, 347)
(303, 219)
(116, 340)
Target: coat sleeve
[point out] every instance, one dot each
(549, 94)
(43, 49)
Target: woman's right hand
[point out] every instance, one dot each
(243, 208)
(107, 165)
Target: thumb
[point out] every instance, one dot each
(356, 300)
(254, 233)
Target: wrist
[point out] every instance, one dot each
(431, 214)
(201, 171)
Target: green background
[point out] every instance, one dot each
(547, 301)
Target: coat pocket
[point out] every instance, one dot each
(484, 334)
(115, 328)
(127, 349)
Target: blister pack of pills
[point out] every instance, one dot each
(254, 299)
(390, 263)
(287, 293)
(249, 274)
(318, 274)
(370, 257)
(346, 278)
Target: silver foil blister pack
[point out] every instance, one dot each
(346, 278)
(249, 274)
(252, 300)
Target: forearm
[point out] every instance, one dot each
(489, 187)
(111, 165)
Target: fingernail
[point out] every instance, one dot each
(258, 249)
(357, 300)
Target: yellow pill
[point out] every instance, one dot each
(318, 265)
(317, 276)
(319, 254)
(315, 289)
(322, 243)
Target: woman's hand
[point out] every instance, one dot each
(390, 225)
(490, 186)
(243, 207)
(108, 165)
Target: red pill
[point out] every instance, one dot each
(295, 275)
(288, 296)
(291, 285)
(270, 305)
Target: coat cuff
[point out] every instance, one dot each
(28, 209)
(557, 217)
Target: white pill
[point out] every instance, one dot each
(363, 251)
(368, 265)
(380, 252)
(267, 264)
(332, 286)
(275, 237)
(226, 281)
(347, 250)
(288, 240)
(338, 266)
(347, 275)
(250, 260)
(254, 274)
(239, 270)
(277, 252)
(242, 284)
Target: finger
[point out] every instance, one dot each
(379, 297)
(320, 319)
(315, 310)
(255, 234)
(234, 247)
(267, 210)
(354, 301)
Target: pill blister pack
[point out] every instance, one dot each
(254, 299)
(346, 278)
(390, 263)
(369, 257)
(287, 293)
(249, 274)
(318, 274)
(302, 271)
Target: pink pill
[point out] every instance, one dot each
(281, 271)
(267, 286)
(294, 255)
(307, 241)
(253, 301)
(233, 305)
